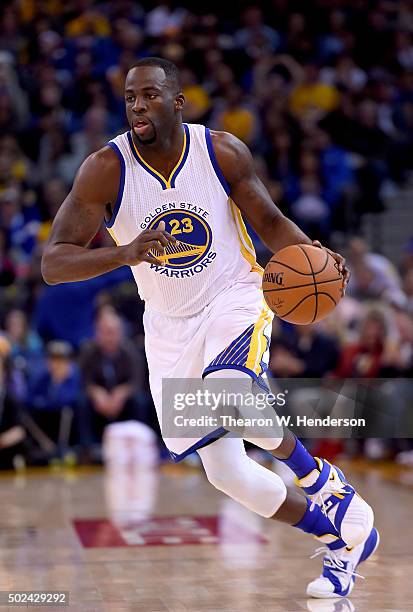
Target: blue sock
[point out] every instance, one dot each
(300, 461)
(316, 522)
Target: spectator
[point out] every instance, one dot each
(236, 117)
(12, 434)
(112, 373)
(344, 75)
(375, 353)
(305, 352)
(374, 276)
(89, 21)
(94, 134)
(336, 172)
(54, 391)
(256, 37)
(25, 343)
(26, 355)
(310, 210)
(312, 97)
(164, 20)
(197, 102)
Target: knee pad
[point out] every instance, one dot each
(221, 479)
(270, 495)
(249, 483)
(267, 444)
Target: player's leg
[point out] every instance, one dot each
(325, 485)
(238, 347)
(244, 476)
(174, 352)
(333, 509)
(230, 470)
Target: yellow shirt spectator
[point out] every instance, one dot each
(310, 96)
(197, 102)
(90, 22)
(238, 121)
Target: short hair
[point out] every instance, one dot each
(170, 69)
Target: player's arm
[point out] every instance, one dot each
(67, 256)
(252, 198)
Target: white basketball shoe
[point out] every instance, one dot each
(339, 568)
(351, 515)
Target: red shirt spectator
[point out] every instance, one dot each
(366, 357)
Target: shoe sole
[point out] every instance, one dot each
(369, 549)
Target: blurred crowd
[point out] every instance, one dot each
(322, 93)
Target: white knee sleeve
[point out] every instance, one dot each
(266, 443)
(230, 470)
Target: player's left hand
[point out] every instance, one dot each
(341, 264)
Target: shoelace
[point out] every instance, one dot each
(335, 560)
(318, 500)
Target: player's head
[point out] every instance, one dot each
(153, 98)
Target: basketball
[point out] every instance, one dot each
(302, 284)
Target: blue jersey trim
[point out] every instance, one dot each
(208, 439)
(229, 366)
(236, 353)
(164, 183)
(147, 168)
(184, 158)
(257, 380)
(214, 162)
(118, 202)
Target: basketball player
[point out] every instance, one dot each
(171, 195)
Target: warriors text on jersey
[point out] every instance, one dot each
(213, 251)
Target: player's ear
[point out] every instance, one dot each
(179, 102)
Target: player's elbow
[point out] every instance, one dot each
(49, 269)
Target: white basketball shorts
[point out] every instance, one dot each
(232, 332)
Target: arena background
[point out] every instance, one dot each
(322, 93)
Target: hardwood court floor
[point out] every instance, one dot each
(235, 563)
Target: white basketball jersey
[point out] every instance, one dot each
(213, 251)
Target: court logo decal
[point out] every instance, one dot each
(164, 531)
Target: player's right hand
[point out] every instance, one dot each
(139, 249)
